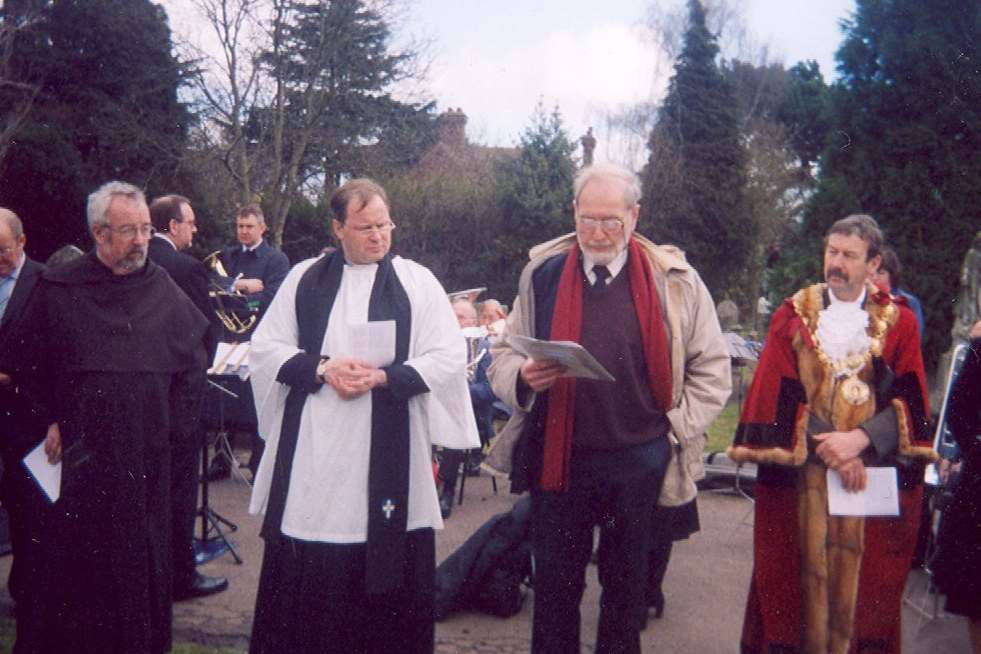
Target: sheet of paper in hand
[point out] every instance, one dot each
(880, 497)
(47, 476)
(372, 342)
(575, 357)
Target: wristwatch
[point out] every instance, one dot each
(322, 370)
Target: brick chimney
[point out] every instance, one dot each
(452, 125)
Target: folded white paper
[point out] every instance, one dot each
(372, 342)
(47, 476)
(578, 361)
(880, 497)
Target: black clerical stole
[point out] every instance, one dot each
(388, 473)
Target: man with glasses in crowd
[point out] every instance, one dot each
(595, 453)
(175, 223)
(104, 353)
(357, 367)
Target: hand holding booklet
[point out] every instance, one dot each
(880, 497)
(577, 360)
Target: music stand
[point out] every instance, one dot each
(212, 546)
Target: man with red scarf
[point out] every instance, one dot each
(839, 387)
(597, 453)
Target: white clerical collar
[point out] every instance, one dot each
(360, 267)
(253, 248)
(166, 239)
(614, 266)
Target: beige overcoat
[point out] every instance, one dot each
(701, 377)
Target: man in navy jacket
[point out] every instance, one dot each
(175, 224)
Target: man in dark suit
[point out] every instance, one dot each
(256, 267)
(20, 432)
(173, 219)
(256, 270)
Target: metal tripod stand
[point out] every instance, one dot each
(214, 526)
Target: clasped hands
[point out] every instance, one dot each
(351, 377)
(840, 451)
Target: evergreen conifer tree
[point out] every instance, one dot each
(536, 192)
(694, 181)
(108, 105)
(905, 147)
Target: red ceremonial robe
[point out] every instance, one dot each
(822, 583)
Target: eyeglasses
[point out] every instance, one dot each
(382, 228)
(9, 250)
(130, 231)
(608, 225)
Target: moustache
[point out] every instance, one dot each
(837, 273)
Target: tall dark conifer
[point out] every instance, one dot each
(695, 177)
(107, 108)
(536, 191)
(905, 147)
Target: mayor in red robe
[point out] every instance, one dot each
(825, 583)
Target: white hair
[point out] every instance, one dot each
(100, 199)
(629, 180)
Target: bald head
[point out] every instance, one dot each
(12, 221)
(490, 312)
(12, 241)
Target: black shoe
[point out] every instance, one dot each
(201, 586)
(219, 469)
(445, 506)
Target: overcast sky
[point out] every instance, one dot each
(496, 58)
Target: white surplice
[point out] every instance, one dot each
(328, 493)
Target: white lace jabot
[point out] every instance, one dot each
(842, 330)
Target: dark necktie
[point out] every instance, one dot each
(602, 273)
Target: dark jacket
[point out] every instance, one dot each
(265, 263)
(192, 278)
(21, 429)
(486, 572)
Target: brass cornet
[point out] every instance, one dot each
(228, 304)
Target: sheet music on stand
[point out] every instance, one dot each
(232, 359)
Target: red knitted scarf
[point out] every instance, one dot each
(566, 326)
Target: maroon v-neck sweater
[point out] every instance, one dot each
(612, 415)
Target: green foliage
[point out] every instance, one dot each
(307, 230)
(536, 197)
(695, 178)
(804, 111)
(471, 213)
(107, 109)
(906, 117)
(446, 222)
(334, 69)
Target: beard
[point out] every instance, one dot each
(605, 254)
(134, 260)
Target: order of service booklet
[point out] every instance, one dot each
(578, 361)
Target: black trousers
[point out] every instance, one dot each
(614, 490)
(27, 512)
(186, 446)
(312, 600)
(184, 477)
(449, 469)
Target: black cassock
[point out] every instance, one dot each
(112, 359)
